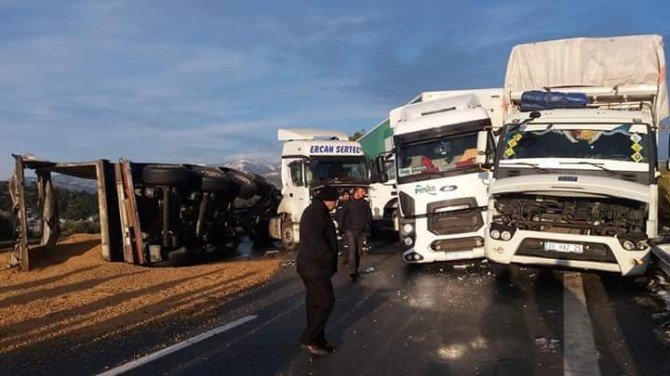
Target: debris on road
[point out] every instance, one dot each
(288, 263)
(544, 344)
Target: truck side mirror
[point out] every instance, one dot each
(380, 169)
(482, 140)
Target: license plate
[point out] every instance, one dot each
(460, 255)
(563, 247)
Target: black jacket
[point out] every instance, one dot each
(354, 215)
(317, 252)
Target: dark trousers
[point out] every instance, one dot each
(353, 241)
(319, 303)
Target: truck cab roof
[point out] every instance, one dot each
(586, 115)
(443, 109)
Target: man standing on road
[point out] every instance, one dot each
(317, 263)
(354, 218)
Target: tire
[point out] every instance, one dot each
(212, 181)
(287, 235)
(261, 236)
(502, 272)
(414, 268)
(246, 188)
(165, 175)
(263, 188)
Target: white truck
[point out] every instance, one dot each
(575, 182)
(313, 158)
(444, 149)
(383, 194)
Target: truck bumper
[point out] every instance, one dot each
(430, 248)
(526, 247)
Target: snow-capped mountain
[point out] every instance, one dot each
(260, 167)
(271, 170)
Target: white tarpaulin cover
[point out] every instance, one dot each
(630, 60)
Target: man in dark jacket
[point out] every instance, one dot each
(354, 219)
(317, 263)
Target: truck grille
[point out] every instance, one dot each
(451, 245)
(468, 219)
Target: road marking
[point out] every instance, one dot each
(176, 347)
(579, 350)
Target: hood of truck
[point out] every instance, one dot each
(573, 185)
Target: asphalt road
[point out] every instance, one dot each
(402, 321)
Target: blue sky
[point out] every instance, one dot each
(209, 81)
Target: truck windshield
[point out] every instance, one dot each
(436, 155)
(620, 142)
(337, 169)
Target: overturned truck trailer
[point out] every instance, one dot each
(150, 213)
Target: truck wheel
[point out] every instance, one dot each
(246, 187)
(261, 235)
(165, 175)
(414, 268)
(263, 187)
(211, 180)
(287, 235)
(501, 271)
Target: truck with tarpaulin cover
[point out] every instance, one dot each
(575, 183)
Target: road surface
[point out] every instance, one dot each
(399, 321)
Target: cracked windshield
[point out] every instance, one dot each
(622, 142)
(437, 155)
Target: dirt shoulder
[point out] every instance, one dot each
(71, 291)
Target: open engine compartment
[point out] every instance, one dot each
(574, 215)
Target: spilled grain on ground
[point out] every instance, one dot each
(71, 291)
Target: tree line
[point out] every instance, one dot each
(78, 211)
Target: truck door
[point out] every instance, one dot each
(486, 147)
(296, 191)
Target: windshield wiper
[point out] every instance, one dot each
(533, 165)
(599, 165)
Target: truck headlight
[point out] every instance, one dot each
(506, 235)
(641, 245)
(408, 241)
(495, 234)
(628, 245)
(407, 228)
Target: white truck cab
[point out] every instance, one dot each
(383, 194)
(313, 158)
(575, 179)
(444, 148)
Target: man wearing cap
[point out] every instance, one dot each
(354, 218)
(316, 264)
